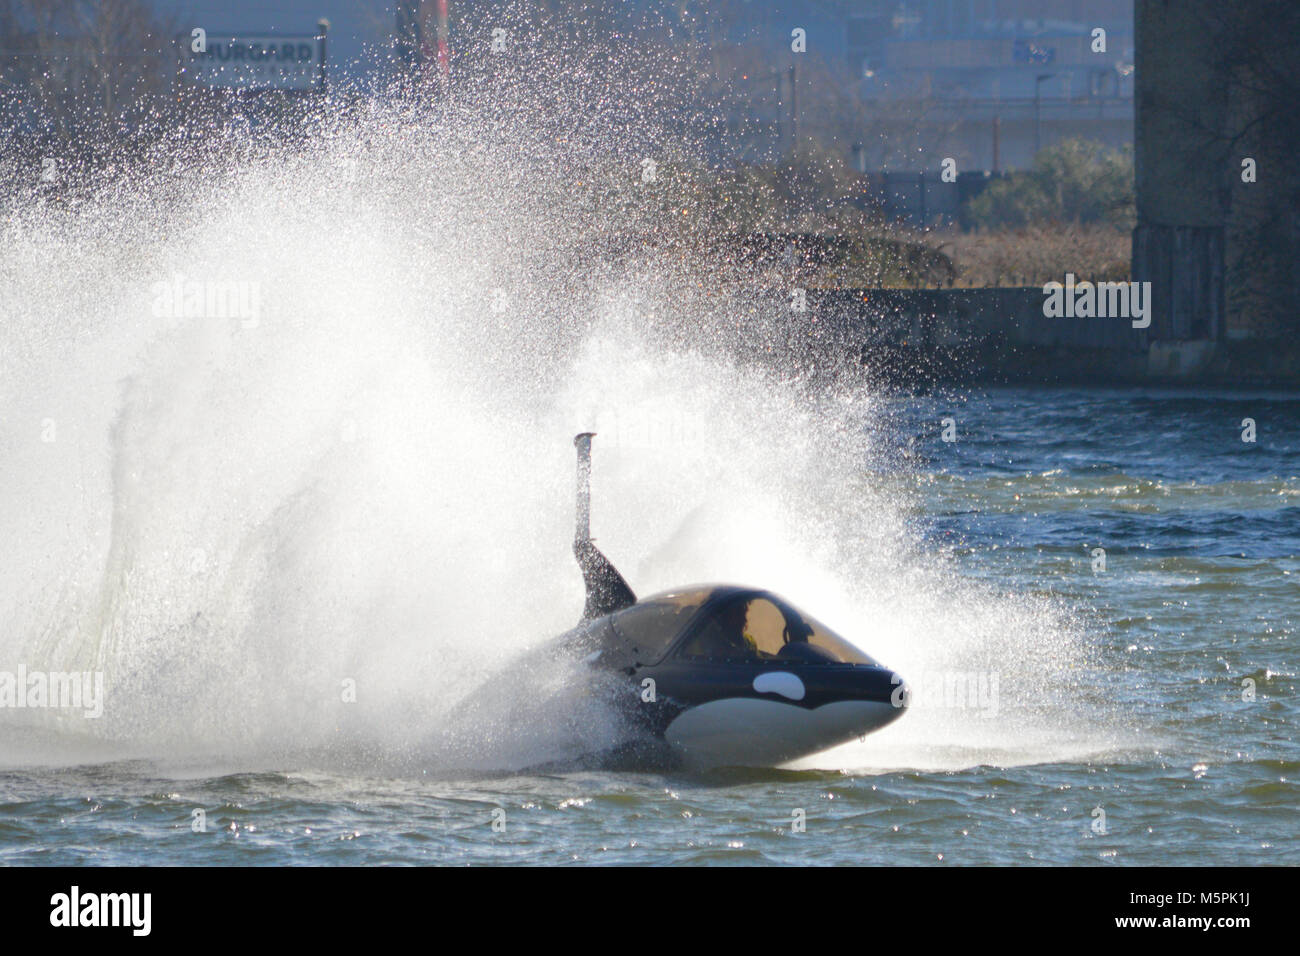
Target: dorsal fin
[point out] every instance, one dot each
(607, 591)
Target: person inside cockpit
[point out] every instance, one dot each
(796, 645)
(758, 629)
(723, 637)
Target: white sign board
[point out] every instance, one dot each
(253, 62)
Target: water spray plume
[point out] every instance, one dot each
(367, 483)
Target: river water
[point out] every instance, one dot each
(291, 535)
(1142, 745)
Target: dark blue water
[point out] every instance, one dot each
(1165, 732)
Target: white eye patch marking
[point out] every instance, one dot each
(779, 682)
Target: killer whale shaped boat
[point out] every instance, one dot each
(721, 675)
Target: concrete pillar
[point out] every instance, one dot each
(1182, 167)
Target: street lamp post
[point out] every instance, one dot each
(1038, 124)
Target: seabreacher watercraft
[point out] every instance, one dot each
(720, 675)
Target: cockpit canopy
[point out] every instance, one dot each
(728, 624)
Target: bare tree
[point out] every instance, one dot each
(74, 67)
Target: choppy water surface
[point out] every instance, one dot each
(1201, 534)
(293, 538)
